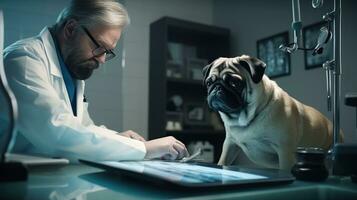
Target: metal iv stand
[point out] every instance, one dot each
(335, 67)
(332, 67)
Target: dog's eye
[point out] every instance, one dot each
(233, 84)
(210, 81)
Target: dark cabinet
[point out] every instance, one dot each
(179, 50)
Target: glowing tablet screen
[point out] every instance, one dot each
(183, 172)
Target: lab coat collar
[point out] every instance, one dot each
(55, 70)
(50, 50)
(53, 62)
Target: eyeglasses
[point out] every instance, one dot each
(100, 50)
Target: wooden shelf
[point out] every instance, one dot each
(209, 43)
(185, 81)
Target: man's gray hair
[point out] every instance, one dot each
(95, 12)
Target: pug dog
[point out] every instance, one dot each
(261, 120)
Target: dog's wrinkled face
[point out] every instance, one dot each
(225, 88)
(226, 82)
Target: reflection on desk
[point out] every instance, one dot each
(85, 183)
(51, 183)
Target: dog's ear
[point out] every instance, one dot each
(254, 66)
(206, 71)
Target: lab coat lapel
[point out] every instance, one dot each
(54, 66)
(80, 99)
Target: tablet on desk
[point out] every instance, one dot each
(192, 174)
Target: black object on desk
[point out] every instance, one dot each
(345, 162)
(12, 171)
(310, 165)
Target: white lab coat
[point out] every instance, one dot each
(46, 123)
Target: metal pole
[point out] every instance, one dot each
(337, 72)
(296, 24)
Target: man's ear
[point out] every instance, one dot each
(206, 71)
(69, 28)
(254, 66)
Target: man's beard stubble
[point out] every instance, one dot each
(79, 68)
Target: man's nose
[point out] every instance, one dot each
(101, 58)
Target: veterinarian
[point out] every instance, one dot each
(47, 73)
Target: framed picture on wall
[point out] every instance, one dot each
(278, 62)
(310, 36)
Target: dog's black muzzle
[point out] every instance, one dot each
(224, 97)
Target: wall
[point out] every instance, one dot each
(25, 18)
(136, 42)
(250, 20)
(118, 94)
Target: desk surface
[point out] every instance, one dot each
(83, 182)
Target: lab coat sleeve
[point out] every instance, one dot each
(46, 121)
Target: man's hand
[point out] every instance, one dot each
(166, 147)
(131, 134)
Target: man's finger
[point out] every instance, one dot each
(173, 153)
(178, 141)
(181, 150)
(137, 137)
(185, 152)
